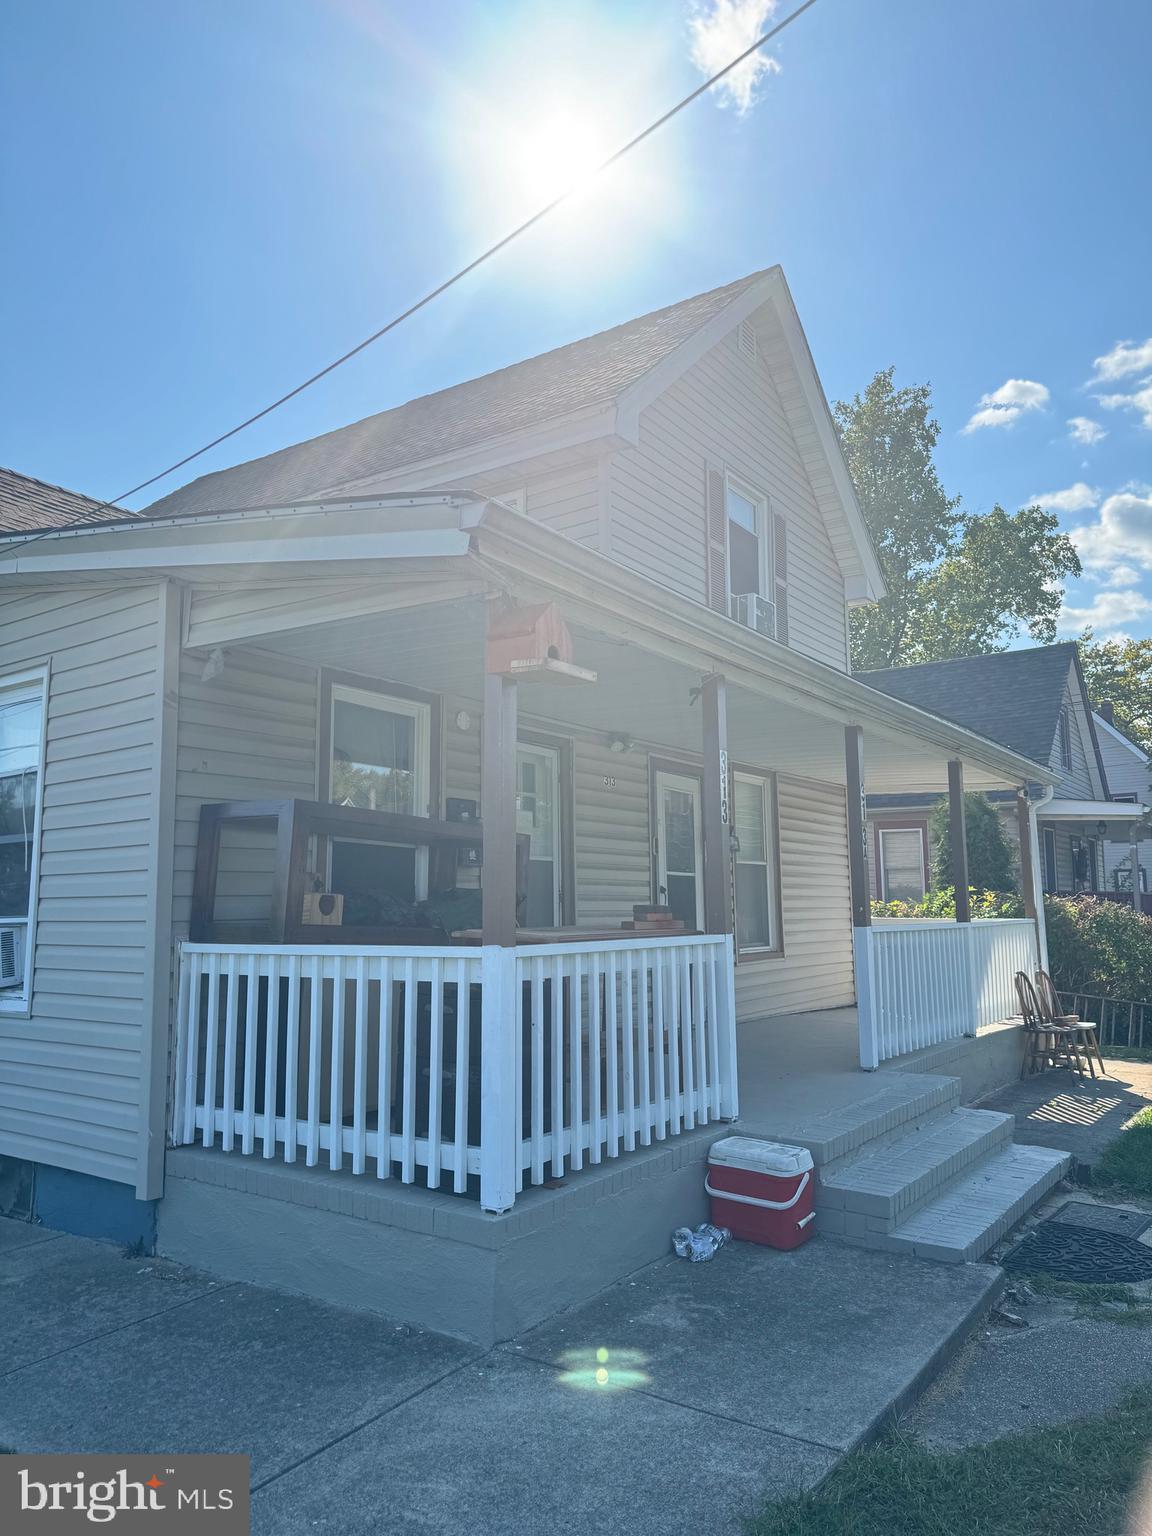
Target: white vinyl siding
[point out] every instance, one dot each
(1080, 780)
(249, 733)
(73, 1062)
(815, 970)
(561, 492)
(724, 410)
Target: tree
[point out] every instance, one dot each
(990, 863)
(958, 583)
(1121, 671)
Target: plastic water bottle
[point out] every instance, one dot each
(699, 1246)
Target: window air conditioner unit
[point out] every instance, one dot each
(756, 612)
(11, 956)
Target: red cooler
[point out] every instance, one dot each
(762, 1191)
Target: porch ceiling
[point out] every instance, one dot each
(638, 694)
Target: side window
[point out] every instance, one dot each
(21, 754)
(1065, 740)
(1051, 873)
(757, 917)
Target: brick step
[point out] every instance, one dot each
(894, 1104)
(883, 1184)
(976, 1210)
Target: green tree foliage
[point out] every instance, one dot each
(958, 583)
(1121, 670)
(1099, 947)
(990, 864)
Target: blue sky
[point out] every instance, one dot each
(205, 200)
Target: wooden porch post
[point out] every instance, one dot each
(500, 1025)
(718, 820)
(957, 833)
(861, 897)
(498, 810)
(1027, 869)
(717, 813)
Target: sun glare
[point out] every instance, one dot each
(558, 153)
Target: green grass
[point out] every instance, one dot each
(1074, 1479)
(1127, 1161)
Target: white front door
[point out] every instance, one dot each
(538, 816)
(679, 847)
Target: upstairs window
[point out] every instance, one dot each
(21, 754)
(747, 556)
(1065, 740)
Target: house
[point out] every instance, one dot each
(1036, 702)
(1129, 778)
(425, 839)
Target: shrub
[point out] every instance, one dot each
(943, 904)
(1099, 947)
(990, 862)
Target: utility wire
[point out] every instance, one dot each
(458, 276)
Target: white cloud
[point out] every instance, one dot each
(1122, 532)
(721, 30)
(1107, 614)
(1125, 358)
(1082, 429)
(1077, 498)
(1140, 400)
(1001, 407)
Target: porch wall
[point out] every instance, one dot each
(251, 733)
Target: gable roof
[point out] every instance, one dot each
(1013, 697)
(591, 371)
(27, 505)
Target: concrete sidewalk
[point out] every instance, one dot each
(719, 1386)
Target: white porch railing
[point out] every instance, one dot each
(923, 981)
(497, 1065)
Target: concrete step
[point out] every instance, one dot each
(833, 1115)
(873, 1190)
(977, 1209)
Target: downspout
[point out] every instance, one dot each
(1034, 807)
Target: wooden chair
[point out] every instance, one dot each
(1045, 1044)
(1084, 1031)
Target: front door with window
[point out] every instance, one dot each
(538, 818)
(679, 849)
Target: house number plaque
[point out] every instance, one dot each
(723, 786)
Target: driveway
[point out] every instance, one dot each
(677, 1400)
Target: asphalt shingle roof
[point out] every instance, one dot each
(584, 373)
(1013, 697)
(28, 505)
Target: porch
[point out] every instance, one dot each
(382, 794)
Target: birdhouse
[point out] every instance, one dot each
(533, 641)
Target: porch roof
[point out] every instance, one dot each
(311, 573)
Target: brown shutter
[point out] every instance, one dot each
(716, 540)
(780, 573)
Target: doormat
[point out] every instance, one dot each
(1066, 1252)
(1103, 1218)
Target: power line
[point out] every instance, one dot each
(460, 274)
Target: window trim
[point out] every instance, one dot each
(1049, 871)
(17, 1001)
(899, 825)
(770, 788)
(381, 689)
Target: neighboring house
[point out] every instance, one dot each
(1034, 701)
(265, 963)
(1129, 778)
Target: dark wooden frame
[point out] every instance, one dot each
(332, 678)
(295, 821)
